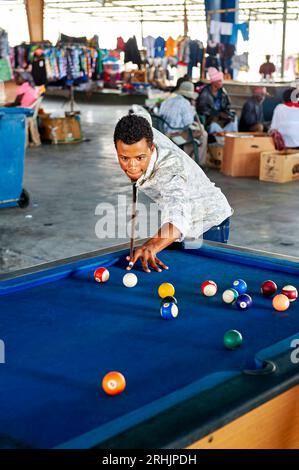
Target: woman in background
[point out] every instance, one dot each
(26, 93)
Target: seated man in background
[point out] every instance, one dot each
(26, 93)
(179, 112)
(286, 118)
(252, 116)
(214, 105)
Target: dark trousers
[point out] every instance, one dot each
(219, 233)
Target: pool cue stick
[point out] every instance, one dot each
(133, 222)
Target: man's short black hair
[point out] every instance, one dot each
(132, 128)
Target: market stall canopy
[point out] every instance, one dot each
(156, 10)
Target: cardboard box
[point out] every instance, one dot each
(60, 130)
(215, 156)
(280, 167)
(242, 151)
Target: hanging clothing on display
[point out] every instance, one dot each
(68, 63)
(94, 42)
(215, 27)
(184, 51)
(195, 55)
(159, 47)
(39, 71)
(21, 56)
(170, 47)
(244, 28)
(212, 48)
(4, 46)
(120, 46)
(149, 44)
(111, 70)
(215, 30)
(212, 61)
(240, 62)
(5, 64)
(132, 53)
(226, 52)
(65, 39)
(226, 29)
(5, 70)
(290, 65)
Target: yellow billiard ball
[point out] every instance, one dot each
(166, 289)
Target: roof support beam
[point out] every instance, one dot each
(35, 18)
(284, 30)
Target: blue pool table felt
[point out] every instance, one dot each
(64, 335)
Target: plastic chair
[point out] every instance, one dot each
(161, 125)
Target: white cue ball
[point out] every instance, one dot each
(130, 280)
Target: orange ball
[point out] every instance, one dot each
(113, 383)
(280, 302)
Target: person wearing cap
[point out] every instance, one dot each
(26, 93)
(214, 105)
(252, 116)
(179, 112)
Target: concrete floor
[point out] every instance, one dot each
(67, 182)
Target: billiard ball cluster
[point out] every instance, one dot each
(280, 302)
(114, 382)
(102, 275)
(236, 295)
(169, 309)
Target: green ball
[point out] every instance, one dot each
(232, 339)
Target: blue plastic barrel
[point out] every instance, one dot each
(12, 155)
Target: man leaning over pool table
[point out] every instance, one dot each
(190, 204)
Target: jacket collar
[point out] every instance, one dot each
(149, 169)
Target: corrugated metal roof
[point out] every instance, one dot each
(157, 10)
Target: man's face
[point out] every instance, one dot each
(218, 85)
(134, 159)
(260, 98)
